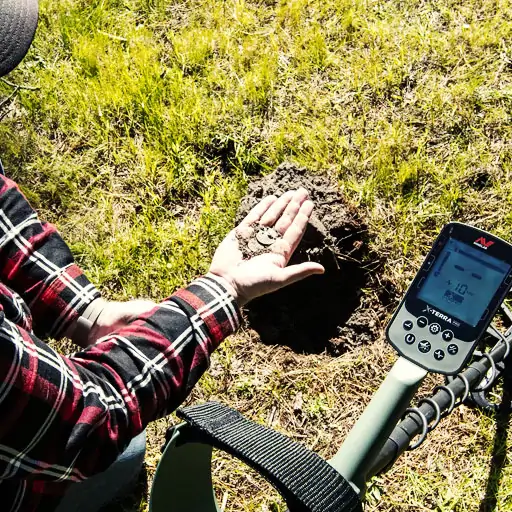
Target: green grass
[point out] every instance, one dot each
(148, 119)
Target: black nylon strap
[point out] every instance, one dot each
(306, 481)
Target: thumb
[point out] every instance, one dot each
(294, 273)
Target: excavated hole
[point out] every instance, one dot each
(320, 313)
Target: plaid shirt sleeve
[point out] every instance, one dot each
(37, 264)
(64, 419)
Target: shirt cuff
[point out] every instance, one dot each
(217, 308)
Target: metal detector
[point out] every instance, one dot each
(444, 314)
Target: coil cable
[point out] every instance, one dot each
(472, 396)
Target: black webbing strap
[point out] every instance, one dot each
(306, 481)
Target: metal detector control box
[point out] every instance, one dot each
(453, 298)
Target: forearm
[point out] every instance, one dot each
(78, 413)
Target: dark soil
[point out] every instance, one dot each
(324, 312)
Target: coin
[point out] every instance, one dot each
(267, 236)
(254, 247)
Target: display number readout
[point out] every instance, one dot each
(463, 281)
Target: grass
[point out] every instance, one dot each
(139, 123)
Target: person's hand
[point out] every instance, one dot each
(115, 315)
(247, 279)
(103, 317)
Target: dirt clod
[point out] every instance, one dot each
(321, 313)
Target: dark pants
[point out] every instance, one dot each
(100, 490)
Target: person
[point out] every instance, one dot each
(65, 419)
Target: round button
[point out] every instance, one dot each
(422, 321)
(438, 354)
(435, 328)
(452, 349)
(407, 325)
(424, 346)
(410, 338)
(447, 335)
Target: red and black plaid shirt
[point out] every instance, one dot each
(63, 419)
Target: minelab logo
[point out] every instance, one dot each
(432, 311)
(483, 243)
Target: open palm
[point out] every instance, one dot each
(265, 273)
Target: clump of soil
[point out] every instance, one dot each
(322, 312)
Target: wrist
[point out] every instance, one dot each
(80, 330)
(229, 286)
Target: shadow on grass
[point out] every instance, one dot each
(499, 450)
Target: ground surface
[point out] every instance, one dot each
(138, 125)
(324, 313)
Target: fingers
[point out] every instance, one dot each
(244, 230)
(258, 211)
(136, 308)
(294, 273)
(289, 215)
(277, 212)
(273, 214)
(296, 229)
(291, 211)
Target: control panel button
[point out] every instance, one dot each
(420, 283)
(422, 321)
(452, 349)
(407, 325)
(435, 328)
(438, 354)
(508, 279)
(447, 335)
(424, 346)
(410, 338)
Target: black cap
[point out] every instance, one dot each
(18, 22)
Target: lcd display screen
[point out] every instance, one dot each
(463, 281)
